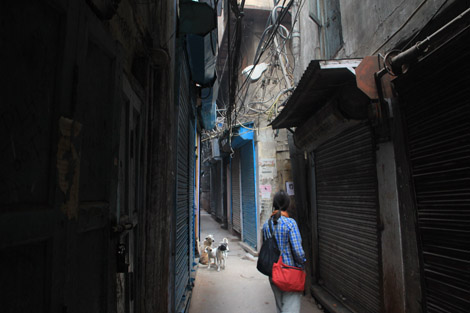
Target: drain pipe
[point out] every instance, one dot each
(400, 62)
(296, 38)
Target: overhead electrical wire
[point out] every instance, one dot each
(273, 28)
(278, 21)
(270, 40)
(282, 46)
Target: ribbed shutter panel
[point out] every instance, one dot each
(183, 190)
(192, 186)
(347, 206)
(236, 191)
(219, 190)
(438, 122)
(213, 187)
(248, 195)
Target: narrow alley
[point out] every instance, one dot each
(131, 129)
(238, 288)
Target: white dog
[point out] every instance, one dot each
(211, 254)
(208, 241)
(222, 254)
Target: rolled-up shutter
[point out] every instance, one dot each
(347, 219)
(236, 220)
(437, 111)
(248, 195)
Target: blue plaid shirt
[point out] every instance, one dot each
(287, 231)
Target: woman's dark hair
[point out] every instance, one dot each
(281, 202)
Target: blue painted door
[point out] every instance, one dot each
(248, 194)
(236, 194)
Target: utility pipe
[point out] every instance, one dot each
(283, 66)
(295, 37)
(406, 57)
(276, 43)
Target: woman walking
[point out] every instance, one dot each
(289, 242)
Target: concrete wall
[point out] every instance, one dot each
(273, 166)
(379, 26)
(369, 27)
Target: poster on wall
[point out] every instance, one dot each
(267, 168)
(265, 191)
(290, 188)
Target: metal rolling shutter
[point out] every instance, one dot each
(236, 220)
(220, 184)
(216, 190)
(437, 116)
(248, 195)
(192, 186)
(347, 216)
(213, 191)
(183, 188)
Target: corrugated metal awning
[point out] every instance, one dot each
(320, 80)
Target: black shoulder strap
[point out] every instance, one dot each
(271, 231)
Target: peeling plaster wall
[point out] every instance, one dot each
(273, 167)
(267, 171)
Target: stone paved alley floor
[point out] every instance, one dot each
(240, 288)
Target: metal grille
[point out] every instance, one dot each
(347, 213)
(183, 186)
(236, 220)
(438, 122)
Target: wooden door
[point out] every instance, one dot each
(130, 196)
(92, 243)
(36, 193)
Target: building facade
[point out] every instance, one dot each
(100, 137)
(378, 118)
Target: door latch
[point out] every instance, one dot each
(122, 266)
(120, 228)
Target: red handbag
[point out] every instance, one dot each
(288, 278)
